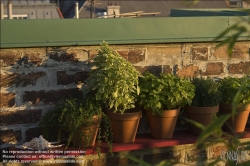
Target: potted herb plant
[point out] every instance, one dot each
(114, 83)
(79, 120)
(161, 97)
(205, 102)
(229, 88)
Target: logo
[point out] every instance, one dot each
(234, 155)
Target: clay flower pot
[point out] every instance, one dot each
(201, 115)
(240, 119)
(86, 135)
(162, 126)
(124, 126)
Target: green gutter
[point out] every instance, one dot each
(68, 32)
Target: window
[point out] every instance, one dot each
(20, 16)
(235, 3)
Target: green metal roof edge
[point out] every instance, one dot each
(127, 42)
(72, 32)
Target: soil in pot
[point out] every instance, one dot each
(124, 126)
(238, 123)
(162, 126)
(86, 135)
(201, 115)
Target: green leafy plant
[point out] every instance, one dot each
(51, 125)
(207, 93)
(229, 87)
(164, 92)
(208, 137)
(229, 37)
(74, 113)
(114, 81)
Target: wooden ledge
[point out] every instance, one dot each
(144, 141)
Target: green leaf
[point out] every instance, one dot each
(158, 105)
(209, 130)
(115, 94)
(138, 90)
(201, 126)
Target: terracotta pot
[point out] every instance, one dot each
(124, 126)
(162, 126)
(86, 135)
(201, 115)
(240, 119)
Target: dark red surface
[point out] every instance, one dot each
(142, 141)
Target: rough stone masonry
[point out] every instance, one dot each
(33, 79)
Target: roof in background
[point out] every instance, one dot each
(67, 7)
(34, 9)
(26, 2)
(149, 6)
(208, 12)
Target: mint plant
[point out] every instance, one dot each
(164, 92)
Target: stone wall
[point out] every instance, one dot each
(33, 79)
(180, 155)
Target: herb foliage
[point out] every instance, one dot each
(207, 93)
(164, 92)
(72, 114)
(113, 80)
(230, 86)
